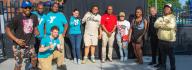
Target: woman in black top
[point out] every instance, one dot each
(139, 26)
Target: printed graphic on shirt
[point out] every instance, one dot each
(76, 22)
(52, 18)
(121, 29)
(92, 18)
(40, 21)
(28, 26)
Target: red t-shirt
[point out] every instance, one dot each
(109, 21)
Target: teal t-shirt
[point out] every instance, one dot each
(55, 19)
(46, 41)
(74, 26)
(40, 26)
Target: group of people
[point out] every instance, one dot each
(41, 36)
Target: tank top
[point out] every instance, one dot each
(138, 30)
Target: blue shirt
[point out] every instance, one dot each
(74, 26)
(45, 42)
(40, 26)
(55, 19)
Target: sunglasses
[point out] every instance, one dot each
(27, 7)
(121, 16)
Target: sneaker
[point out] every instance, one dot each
(102, 61)
(161, 68)
(62, 67)
(85, 60)
(151, 63)
(157, 65)
(75, 60)
(110, 60)
(121, 59)
(125, 58)
(93, 59)
(79, 61)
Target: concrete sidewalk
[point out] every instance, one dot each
(183, 62)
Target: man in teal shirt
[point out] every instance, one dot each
(40, 27)
(56, 18)
(41, 17)
(51, 49)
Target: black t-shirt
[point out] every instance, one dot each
(152, 31)
(23, 27)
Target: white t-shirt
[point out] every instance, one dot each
(123, 27)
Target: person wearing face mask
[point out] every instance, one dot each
(24, 26)
(92, 32)
(166, 26)
(75, 36)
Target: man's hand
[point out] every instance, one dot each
(124, 46)
(109, 34)
(51, 46)
(20, 42)
(60, 48)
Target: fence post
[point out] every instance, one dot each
(2, 48)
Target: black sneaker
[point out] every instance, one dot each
(157, 65)
(161, 68)
(62, 67)
(151, 63)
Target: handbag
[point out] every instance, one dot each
(125, 38)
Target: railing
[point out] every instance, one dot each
(182, 45)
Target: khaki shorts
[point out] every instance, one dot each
(46, 63)
(61, 39)
(90, 40)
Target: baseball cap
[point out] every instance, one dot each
(168, 5)
(26, 4)
(122, 14)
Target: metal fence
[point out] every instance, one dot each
(183, 43)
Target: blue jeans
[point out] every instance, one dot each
(76, 44)
(121, 44)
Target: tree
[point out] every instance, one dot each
(161, 3)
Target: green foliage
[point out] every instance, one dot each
(161, 3)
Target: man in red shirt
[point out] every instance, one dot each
(108, 24)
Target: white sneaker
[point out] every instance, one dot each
(125, 58)
(79, 61)
(75, 60)
(121, 59)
